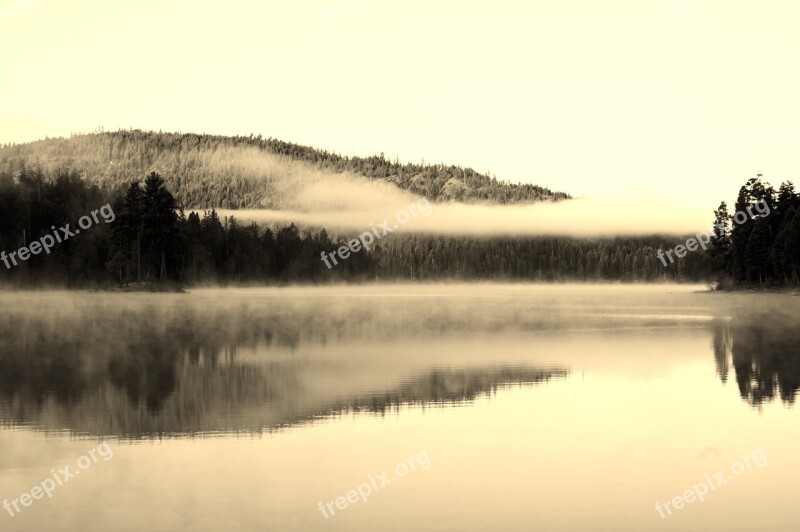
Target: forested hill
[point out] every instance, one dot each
(243, 172)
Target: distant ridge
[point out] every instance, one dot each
(245, 172)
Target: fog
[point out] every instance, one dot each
(312, 197)
(351, 203)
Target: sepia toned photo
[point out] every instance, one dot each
(378, 266)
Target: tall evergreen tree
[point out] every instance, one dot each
(720, 247)
(757, 258)
(159, 230)
(126, 236)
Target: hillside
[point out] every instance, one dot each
(246, 172)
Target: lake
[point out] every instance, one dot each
(423, 407)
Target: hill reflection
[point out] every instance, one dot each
(144, 371)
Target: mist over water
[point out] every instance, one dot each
(290, 396)
(287, 355)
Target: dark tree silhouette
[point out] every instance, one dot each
(763, 246)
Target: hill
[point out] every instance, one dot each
(245, 172)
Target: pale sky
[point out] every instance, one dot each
(676, 99)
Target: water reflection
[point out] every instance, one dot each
(138, 367)
(763, 351)
(144, 371)
(589, 403)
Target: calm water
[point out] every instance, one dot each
(519, 408)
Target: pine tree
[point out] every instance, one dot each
(757, 252)
(159, 228)
(126, 236)
(720, 248)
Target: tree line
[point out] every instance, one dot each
(152, 240)
(763, 249)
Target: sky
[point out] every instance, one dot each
(678, 101)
